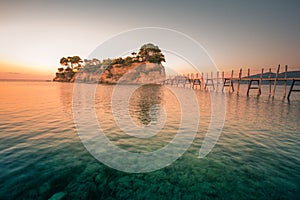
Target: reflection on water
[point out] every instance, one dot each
(256, 157)
(143, 104)
(148, 105)
(65, 97)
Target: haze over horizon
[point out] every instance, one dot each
(36, 34)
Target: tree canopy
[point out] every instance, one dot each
(151, 53)
(147, 53)
(63, 61)
(70, 61)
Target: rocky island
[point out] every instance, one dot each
(139, 68)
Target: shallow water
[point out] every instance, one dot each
(41, 154)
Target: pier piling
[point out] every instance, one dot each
(254, 81)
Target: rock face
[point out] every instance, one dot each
(136, 73)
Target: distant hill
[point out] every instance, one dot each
(290, 74)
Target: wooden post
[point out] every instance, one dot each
(286, 68)
(205, 85)
(197, 77)
(248, 75)
(275, 81)
(231, 83)
(202, 81)
(212, 80)
(260, 82)
(188, 80)
(270, 86)
(239, 81)
(223, 76)
(223, 80)
(217, 81)
(192, 80)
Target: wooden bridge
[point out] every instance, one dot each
(254, 82)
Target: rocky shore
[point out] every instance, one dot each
(139, 68)
(135, 73)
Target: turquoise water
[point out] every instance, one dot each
(256, 157)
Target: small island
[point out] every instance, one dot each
(139, 68)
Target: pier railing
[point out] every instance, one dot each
(232, 80)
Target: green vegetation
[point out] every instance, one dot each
(151, 53)
(70, 63)
(147, 53)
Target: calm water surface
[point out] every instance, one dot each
(256, 157)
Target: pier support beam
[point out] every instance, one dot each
(275, 81)
(260, 82)
(228, 82)
(291, 89)
(254, 87)
(285, 71)
(209, 82)
(270, 81)
(239, 81)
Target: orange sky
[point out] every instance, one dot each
(36, 34)
(19, 70)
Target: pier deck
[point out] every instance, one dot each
(254, 83)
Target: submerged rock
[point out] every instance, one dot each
(58, 196)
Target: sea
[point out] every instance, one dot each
(43, 154)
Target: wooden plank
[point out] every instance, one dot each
(195, 79)
(265, 79)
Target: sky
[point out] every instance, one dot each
(35, 34)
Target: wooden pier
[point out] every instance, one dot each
(254, 81)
